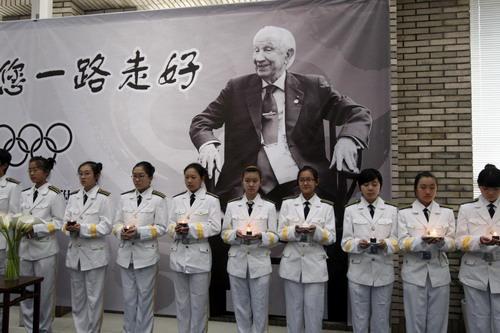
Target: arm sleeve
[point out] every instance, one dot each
(326, 235)
(349, 243)
(159, 227)
(104, 226)
(55, 222)
(270, 237)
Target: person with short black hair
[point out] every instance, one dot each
(140, 219)
(38, 251)
(194, 215)
(370, 239)
(250, 225)
(478, 230)
(307, 224)
(88, 219)
(426, 231)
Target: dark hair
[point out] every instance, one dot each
(308, 168)
(5, 158)
(368, 175)
(46, 164)
(95, 166)
(199, 169)
(489, 176)
(148, 168)
(421, 175)
(251, 168)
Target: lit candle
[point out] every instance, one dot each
(249, 230)
(432, 233)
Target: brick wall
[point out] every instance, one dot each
(432, 113)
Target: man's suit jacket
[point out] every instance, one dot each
(308, 100)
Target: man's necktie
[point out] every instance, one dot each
(426, 213)
(250, 207)
(306, 209)
(269, 116)
(85, 197)
(372, 210)
(491, 209)
(192, 198)
(139, 200)
(35, 195)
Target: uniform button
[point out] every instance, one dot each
(373, 259)
(187, 247)
(373, 228)
(248, 252)
(302, 254)
(132, 243)
(489, 263)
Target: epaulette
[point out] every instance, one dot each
(26, 189)
(213, 195)
(291, 197)
(158, 193)
(235, 199)
(391, 204)
(103, 192)
(266, 199)
(54, 189)
(446, 206)
(127, 192)
(353, 203)
(328, 202)
(12, 180)
(179, 194)
(406, 207)
(74, 192)
(468, 202)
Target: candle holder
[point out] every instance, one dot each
(495, 237)
(183, 223)
(373, 240)
(373, 245)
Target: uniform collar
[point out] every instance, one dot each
(313, 200)
(483, 202)
(92, 193)
(198, 194)
(146, 194)
(42, 189)
(418, 206)
(378, 203)
(3, 180)
(279, 83)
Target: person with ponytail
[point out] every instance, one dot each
(478, 230)
(88, 219)
(140, 219)
(38, 251)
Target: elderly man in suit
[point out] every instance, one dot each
(274, 119)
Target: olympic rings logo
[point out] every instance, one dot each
(36, 140)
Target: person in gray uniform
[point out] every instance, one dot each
(250, 227)
(307, 223)
(194, 216)
(88, 219)
(370, 239)
(140, 219)
(426, 231)
(38, 250)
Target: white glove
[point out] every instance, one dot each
(209, 158)
(345, 152)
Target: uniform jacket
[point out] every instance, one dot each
(364, 267)
(309, 100)
(480, 264)
(49, 209)
(253, 258)
(10, 200)
(306, 261)
(150, 218)
(89, 248)
(412, 225)
(204, 220)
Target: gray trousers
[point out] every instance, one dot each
(370, 307)
(138, 295)
(482, 310)
(191, 301)
(426, 308)
(87, 299)
(305, 304)
(251, 303)
(46, 268)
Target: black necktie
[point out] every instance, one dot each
(250, 207)
(372, 210)
(426, 213)
(192, 198)
(269, 116)
(139, 200)
(85, 197)
(306, 209)
(35, 195)
(491, 209)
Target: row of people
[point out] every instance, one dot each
(373, 231)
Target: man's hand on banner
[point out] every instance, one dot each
(345, 155)
(210, 158)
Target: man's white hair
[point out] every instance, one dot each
(285, 37)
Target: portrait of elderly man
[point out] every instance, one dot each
(274, 119)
